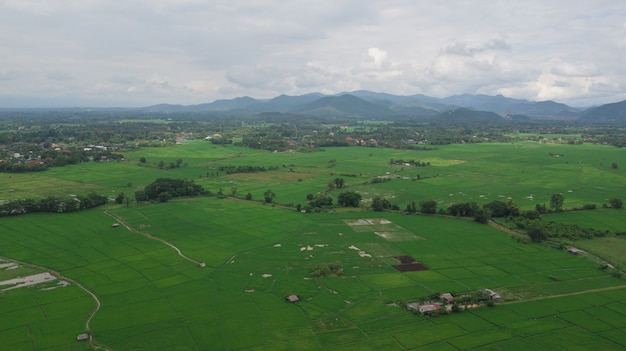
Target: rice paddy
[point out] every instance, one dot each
(255, 255)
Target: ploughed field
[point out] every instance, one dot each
(253, 256)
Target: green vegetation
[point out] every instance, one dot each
(354, 235)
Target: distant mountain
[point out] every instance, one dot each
(615, 112)
(240, 103)
(343, 106)
(367, 104)
(285, 103)
(504, 105)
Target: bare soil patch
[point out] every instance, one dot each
(409, 264)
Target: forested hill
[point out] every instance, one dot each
(608, 113)
(367, 104)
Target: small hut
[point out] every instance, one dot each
(83, 337)
(292, 298)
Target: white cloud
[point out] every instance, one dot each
(194, 51)
(379, 56)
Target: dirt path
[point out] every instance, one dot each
(61, 277)
(507, 230)
(152, 237)
(564, 295)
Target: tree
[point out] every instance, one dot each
(339, 182)
(614, 165)
(501, 209)
(616, 203)
(120, 198)
(140, 195)
(142, 159)
(164, 196)
(248, 196)
(323, 200)
(379, 204)
(330, 185)
(482, 215)
(161, 164)
(556, 202)
(537, 233)
(428, 206)
(541, 208)
(349, 199)
(269, 195)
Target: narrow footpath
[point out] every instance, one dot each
(152, 237)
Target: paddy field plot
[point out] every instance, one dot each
(256, 255)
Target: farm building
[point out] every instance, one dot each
(292, 298)
(115, 225)
(575, 251)
(447, 297)
(83, 337)
(425, 308)
(492, 294)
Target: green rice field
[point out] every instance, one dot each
(213, 273)
(255, 255)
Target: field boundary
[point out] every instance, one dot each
(152, 237)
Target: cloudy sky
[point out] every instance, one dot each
(138, 53)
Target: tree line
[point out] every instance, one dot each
(52, 204)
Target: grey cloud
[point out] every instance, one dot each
(465, 49)
(59, 76)
(8, 74)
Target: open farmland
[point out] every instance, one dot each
(255, 255)
(526, 173)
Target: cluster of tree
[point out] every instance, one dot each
(539, 230)
(171, 165)
(336, 183)
(246, 169)
(40, 158)
(52, 204)
(221, 141)
(327, 269)
(381, 204)
(349, 199)
(22, 167)
(529, 220)
(164, 189)
(264, 140)
(409, 162)
(322, 200)
(377, 180)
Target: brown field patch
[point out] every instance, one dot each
(409, 264)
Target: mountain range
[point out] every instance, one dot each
(367, 104)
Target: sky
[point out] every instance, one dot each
(133, 53)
